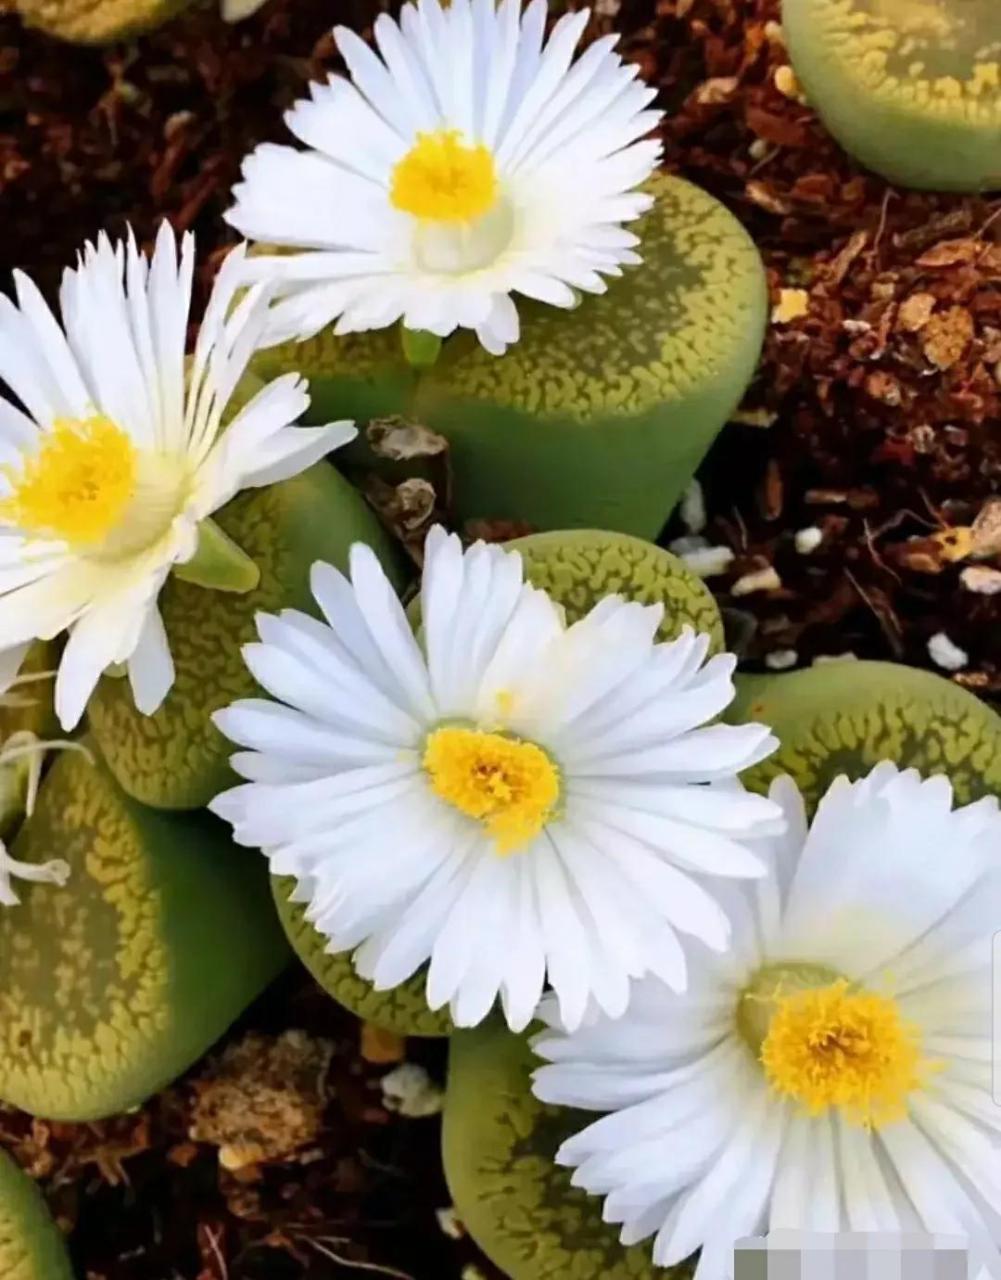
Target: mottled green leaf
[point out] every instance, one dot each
(844, 717)
(404, 1009)
(910, 87)
(115, 984)
(579, 567)
(498, 1145)
(31, 1246)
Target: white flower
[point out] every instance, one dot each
(106, 479)
(468, 163)
(518, 798)
(833, 1072)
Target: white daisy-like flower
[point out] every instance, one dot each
(117, 455)
(515, 799)
(470, 162)
(833, 1071)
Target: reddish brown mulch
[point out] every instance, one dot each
(875, 422)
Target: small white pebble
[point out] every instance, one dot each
(409, 1090)
(824, 659)
(760, 580)
(448, 1221)
(945, 654)
(685, 545)
(758, 149)
(981, 579)
(808, 540)
(693, 508)
(707, 562)
(781, 659)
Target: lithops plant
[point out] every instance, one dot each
(912, 88)
(577, 569)
(117, 980)
(31, 1246)
(101, 21)
(500, 1141)
(176, 758)
(596, 417)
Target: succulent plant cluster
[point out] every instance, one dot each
(548, 735)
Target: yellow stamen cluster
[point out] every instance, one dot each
(442, 180)
(77, 486)
(837, 1046)
(511, 786)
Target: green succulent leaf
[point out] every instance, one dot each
(218, 563)
(912, 88)
(403, 1009)
(844, 718)
(597, 416)
(177, 759)
(579, 567)
(115, 984)
(31, 1245)
(498, 1144)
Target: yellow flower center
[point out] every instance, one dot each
(511, 786)
(77, 486)
(442, 180)
(89, 486)
(832, 1045)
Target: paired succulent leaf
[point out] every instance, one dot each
(912, 88)
(177, 759)
(577, 568)
(499, 1141)
(115, 984)
(31, 1245)
(498, 1144)
(597, 416)
(844, 718)
(404, 1009)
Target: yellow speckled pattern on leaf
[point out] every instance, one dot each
(403, 1009)
(910, 87)
(97, 21)
(579, 567)
(843, 718)
(176, 758)
(114, 984)
(31, 1245)
(498, 1144)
